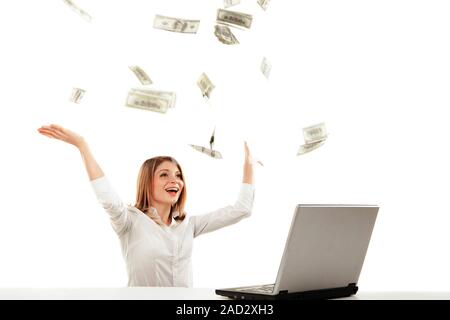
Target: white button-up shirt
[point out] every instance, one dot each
(157, 255)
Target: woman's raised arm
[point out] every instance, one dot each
(57, 132)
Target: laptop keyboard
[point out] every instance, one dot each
(268, 288)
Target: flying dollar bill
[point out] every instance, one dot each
(224, 35)
(212, 153)
(315, 133)
(211, 140)
(168, 95)
(147, 102)
(175, 24)
(78, 10)
(234, 18)
(266, 67)
(77, 95)
(205, 85)
(141, 75)
(308, 147)
(263, 4)
(230, 3)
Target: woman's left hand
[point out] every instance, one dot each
(248, 157)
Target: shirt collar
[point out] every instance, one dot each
(154, 213)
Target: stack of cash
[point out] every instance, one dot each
(152, 100)
(314, 136)
(175, 24)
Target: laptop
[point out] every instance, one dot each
(323, 255)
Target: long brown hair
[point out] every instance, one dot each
(144, 195)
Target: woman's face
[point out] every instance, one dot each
(167, 183)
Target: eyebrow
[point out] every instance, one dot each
(169, 170)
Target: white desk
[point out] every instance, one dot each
(176, 294)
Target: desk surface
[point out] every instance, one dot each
(141, 293)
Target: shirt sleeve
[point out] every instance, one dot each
(228, 215)
(113, 205)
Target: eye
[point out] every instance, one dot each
(179, 175)
(163, 174)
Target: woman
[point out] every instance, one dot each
(155, 234)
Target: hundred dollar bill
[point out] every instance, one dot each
(308, 147)
(263, 4)
(212, 153)
(230, 3)
(315, 133)
(147, 102)
(266, 67)
(175, 24)
(78, 10)
(77, 95)
(205, 85)
(169, 95)
(141, 75)
(224, 34)
(234, 18)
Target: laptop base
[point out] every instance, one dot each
(321, 294)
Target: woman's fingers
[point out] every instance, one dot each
(248, 156)
(46, 134)
(60, 133)
(52, 132)
(247, 152)
(55, 126)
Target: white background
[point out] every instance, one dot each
(376, 72)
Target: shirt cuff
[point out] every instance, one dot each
(247, 188)
(246, 195)
(100, 185)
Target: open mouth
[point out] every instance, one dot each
(173, 191)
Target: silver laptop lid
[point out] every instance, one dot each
(326, 247)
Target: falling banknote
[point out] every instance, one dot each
(175, 24)
(211, 140)
(315, 133)
(212, 153)
(309, 147)
(263, 4)
(147, 102)
(78, 10)
(169, 95)
(224, 35)
(230, 3)
(234, 18)
(205, 85)
(315, 136)
(141, 75)
(266, 67)
(77, 95)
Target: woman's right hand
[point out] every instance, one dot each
(57, 132)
